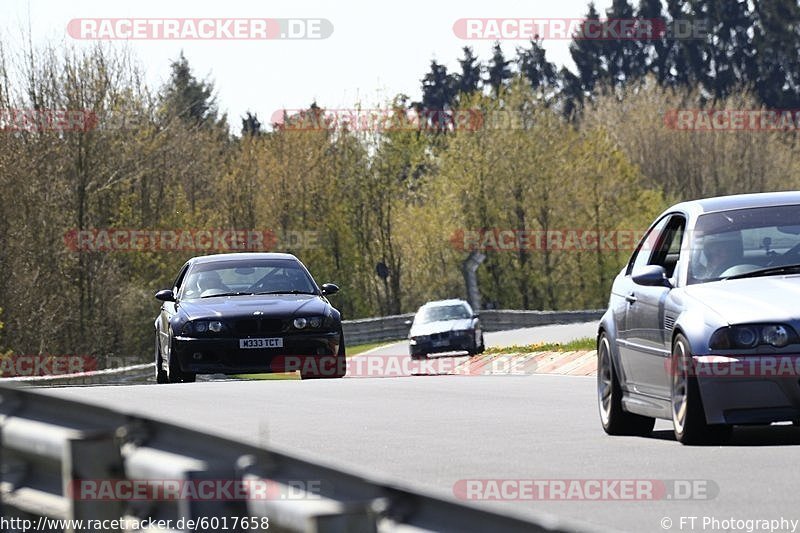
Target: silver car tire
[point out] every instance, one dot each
(615, 420)
(686, 403)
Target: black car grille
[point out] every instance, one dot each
(258, 326)
(440, 336)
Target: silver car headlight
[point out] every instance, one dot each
(748, 336)
(777, 335)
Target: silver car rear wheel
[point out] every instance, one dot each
(615, 420)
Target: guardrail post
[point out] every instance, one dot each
(92, 460)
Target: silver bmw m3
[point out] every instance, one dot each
(702, 323)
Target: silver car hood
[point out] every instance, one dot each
(763, 299)
(440, 326)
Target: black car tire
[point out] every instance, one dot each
(615, 420)
(175, 374)
(477, 348)
(416, 356)
(341, 364)
(688, 416)
(161, 375)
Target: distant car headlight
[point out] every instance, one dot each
(750, 336)
(313, 322)
(745, 337)
(777, 336)
(203, 327)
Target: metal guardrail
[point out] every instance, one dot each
(51, 448)
(118, 375)
(394, 328)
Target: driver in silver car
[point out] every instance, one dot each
(721, 252)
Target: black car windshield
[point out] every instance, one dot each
(443, 312)
(237, 278)
(755, 241)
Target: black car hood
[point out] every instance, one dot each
(284, 305)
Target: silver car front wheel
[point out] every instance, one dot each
(688, 417)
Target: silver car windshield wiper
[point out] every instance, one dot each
(227, 294)
(770, 271)
(285, 292)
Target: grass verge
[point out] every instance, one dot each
(587, 343)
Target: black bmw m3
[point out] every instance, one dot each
(247, 313)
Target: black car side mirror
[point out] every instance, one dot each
(651, 276)
(329, 288)
(165, 295)
(475, 315)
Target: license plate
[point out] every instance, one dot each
(275, 342)
(439, 344)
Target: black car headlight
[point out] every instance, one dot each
(204, 327)
(750, 336)
(311, 322)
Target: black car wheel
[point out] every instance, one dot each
(688, 417)
(175, 374)
(615, 420)
(341, 364)
(161, 375)
(477, 347)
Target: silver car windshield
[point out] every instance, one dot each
(444, 312)
(745, 241)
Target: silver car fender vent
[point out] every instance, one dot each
(669, 322)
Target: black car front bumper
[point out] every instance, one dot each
(450, 341)
(224, 356)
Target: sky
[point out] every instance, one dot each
(376, 50)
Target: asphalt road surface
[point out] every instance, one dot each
(435, 432)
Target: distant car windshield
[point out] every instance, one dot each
(732, 243)
(444, 312)
(246, 277)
